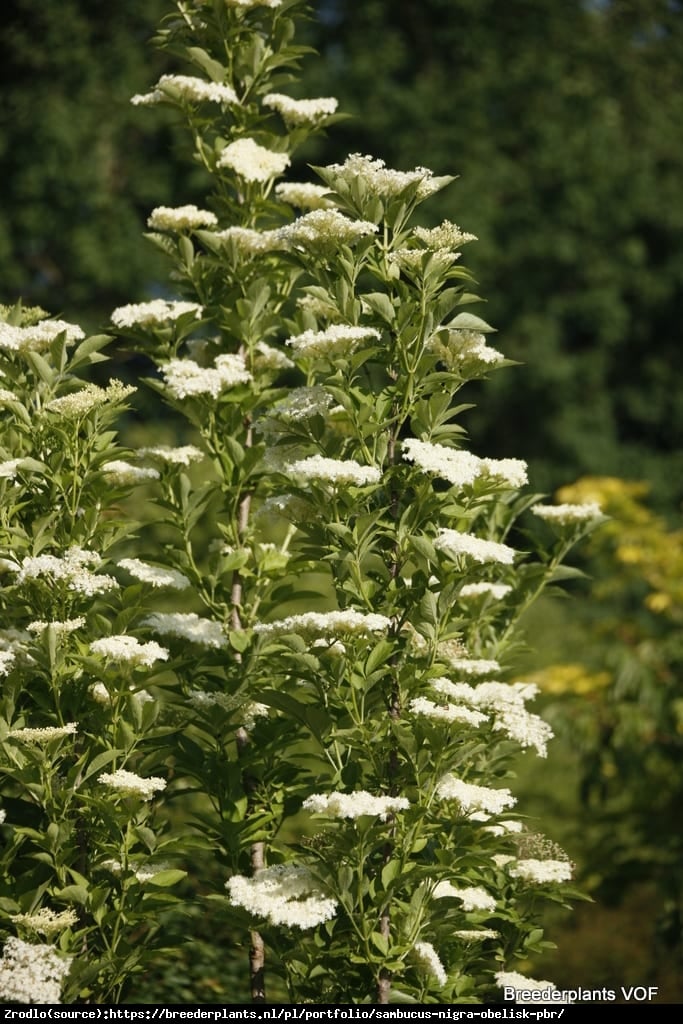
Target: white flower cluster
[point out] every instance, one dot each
(265, 357)
(188, 88)
(300, 112)
(354, 805)
(143, 873)
(181, 218)
(315, 624)
(46, 921)
(37, 337)
(506, 702)
(429, 958)
(495, 590)
(157, 313)
(61, 629)
(7, 659)
(445, 236)
(3, 816)
(304, 195)
(123, 473)
(130, 784)
(7, 396)
(337, 340)
(185, 378)
(44, 735)
(472, 897)
(471, 666)
(284, 895)
(569, 515)
(80, 403)
(466, 545)
(249, 242)
(446, 712)
(383, 181)
(332, 471)
(415, 261)
(248, 4)
(476, 934)
(180, 456)
(129, 649)
(299, 405)
(541, 871)
(253, 162)
(73, 568)
(154, 575)
(9, 469)
(465, 350)
(188, 626)
(474, 798)
(524, 987)
(461, 468)
(31, 972)
(326, 228)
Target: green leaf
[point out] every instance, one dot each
(163, 879)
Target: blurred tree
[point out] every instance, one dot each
(80, 167)
(565, 123)
(617, 700)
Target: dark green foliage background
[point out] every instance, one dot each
(565, 124)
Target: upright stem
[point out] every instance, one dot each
(384, 980)
(257, 949)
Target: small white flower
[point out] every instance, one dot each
(61, 629)
(38, 337)
(124, 474)
(337, 340)
(284, 895)
(253, 162)
(355, 805)
(569, 515)
(383, 181)
(130, 784)
(541, 872)
(497, 591)
(73, 568)
(154, 575)
(44, 735)
(525, 988)
(188, 626)
(446, 236)
(186, 87)
(181, 456)
(157, 313)
(429, 958)
(129, 649)
(465, 545)
(184, 378)
(327, 229)
(472, 897)
(304, 195)
(46, 921)
(316, 624)
(7, 659)
(180, 218)
(266, 357)
(31, 972)
(249, 242)
(80, 403)
(299, 112)
(474, 798)
(333, 471)
(446, 712)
